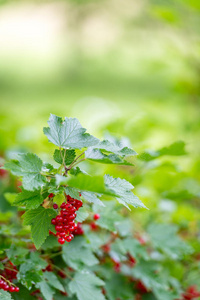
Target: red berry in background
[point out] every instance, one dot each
(55, 206)
(132, 260)
(96, 217)
(191, 293)
(61, 240)
(93, 226)
(117, 265)
(62, 274)
(141, 287)
(106, 248)
(51, 195)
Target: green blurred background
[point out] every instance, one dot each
(129, 67)
(124, 66)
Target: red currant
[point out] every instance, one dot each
(61, 240)
(58, 227)
(11, 289)
(55, 206)
(96, 217)
(17, 289)
(53, 221)
(51, 195)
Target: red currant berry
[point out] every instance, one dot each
(6, 287)
(59, 218)
(71, 228)
(72, 236)
(72, 217)
(62, 233)
(64, 213)
(53, 221)
(11, 289)
(68, 238)
(58, 227)
(96, 217)
(17, 289)
(63, 205)
(51, 195)
(55, 206)
(68, 206)
(61, 240)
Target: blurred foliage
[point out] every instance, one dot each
(132, 69)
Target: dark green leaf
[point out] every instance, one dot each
(40, 221)
(67, 155)
(30, 199)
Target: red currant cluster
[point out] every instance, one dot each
(7, 285)
(64, 222)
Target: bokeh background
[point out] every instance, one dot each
(131, 68)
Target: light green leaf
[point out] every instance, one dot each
(86, 286)
(175, 149)
(72, 192)
(53, 281)
(5, 295)
(29, 167)
(92, 198)
(78, 254)
(40, 221)
(122, 190)
(115, 148)
(68, 133)
(46, 290)
(169, 242)
(31, 199)
(67, 155)
(59, 199)
(97, 155)
(10, 197)
(81, 215)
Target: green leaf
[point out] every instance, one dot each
(69, 156)
(165, 238)
(92, 198)
(78, 254)
(72, 192)
(109, 218)
(76, 171)
(81, 215)
(10, 197)
(115, 148)
(114, 288)
(46, 290)
(50, 243)
(29, 167)
(5, 295)
(59, 199)
(148, 273)
(40, 221)
(98, 156)
(53, 281)
(122, 190)
(30, 199)
(175, 149)
(86, 286)
(68, 133)
(87, 183)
